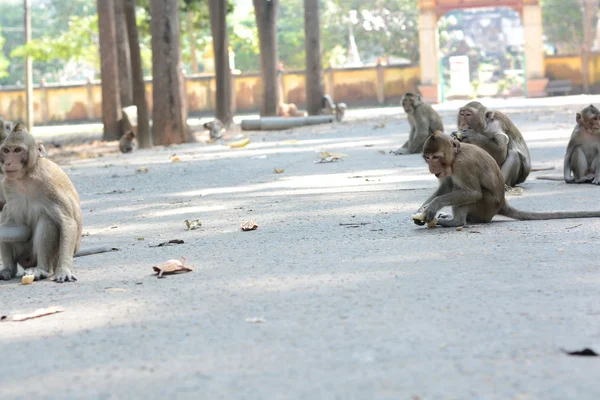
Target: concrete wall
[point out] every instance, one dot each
(82, 101)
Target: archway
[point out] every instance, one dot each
(429, 14)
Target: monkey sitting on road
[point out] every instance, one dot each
(126, 142)
(423, 121)
(490, 130)
(582, 158)
(215, 128)
(328, 107)
(40, 225)
(472, 184)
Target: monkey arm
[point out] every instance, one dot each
(444, 188)
(455, 198)
(419, 134)
(567, 165)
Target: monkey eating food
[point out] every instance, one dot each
(423, 121)
(494, 132)
(41, 224)
(472, 184)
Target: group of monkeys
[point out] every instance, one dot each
(485, 155)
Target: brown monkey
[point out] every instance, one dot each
(423, 121)
(41, 197)
(328, 107)
(494, 124)
(288, 110)
(215, 128)
(472, 184)
(126, 142)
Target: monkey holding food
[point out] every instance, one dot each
(423, 121)
(494, 132)
(42, 212)
(471, 182)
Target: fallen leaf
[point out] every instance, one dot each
(239, 143)
(329, 157)
(171, 267)
(278, 170)
(37, 313)
(115, 290)
(193, 224)
(141, 170)
(249, 226)
(140, 238)
(169, 243)
(256, 320)
(585, 352)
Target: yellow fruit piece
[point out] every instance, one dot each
(418, 216)
(278, 171)
(240, 143)
(175, 159)
(27, 279)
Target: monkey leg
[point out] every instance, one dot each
(596, 168)
(69, 240)
(9, 260)
(511, 168)
(459, 217)
(45, 246)
(579, 166)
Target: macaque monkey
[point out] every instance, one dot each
(288, 110)
(472, 184)
(39, 196)
(490, 129)
(423, 121)
(328, 107)
(126, 142)
(216, 129)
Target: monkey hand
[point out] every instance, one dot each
(419, 218)
(400, 151)
(596, 181)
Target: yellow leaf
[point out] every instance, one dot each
(240, 143)
(278, 171)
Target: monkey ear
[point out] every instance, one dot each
(578, 118)
(489, 115)
(19, 127)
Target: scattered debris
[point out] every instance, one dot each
(27, 279)
(460, 228)
(115, 290)
(37, 313)
(117, 191)
(142, 170)
(329, 157)
(140, 238)
(278, 170)
(289, 141)
(171, 267)
(256, 320)
(585, 352)
(354, 224)
(249, 226)
(379, 126)
(573, 227)
(381, 152)
(261, 157)
(193, 224)
(239, 143)
(514, 190)
(169, 243)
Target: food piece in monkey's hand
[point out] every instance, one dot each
(27, 279)
(419, 219)
(171, 267)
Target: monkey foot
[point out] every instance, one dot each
(37, 273)
(64, 276)
(398, 152)
(5, 275)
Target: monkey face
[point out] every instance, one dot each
(410, 101)
(437, 165)
(13, 159)
(466, 118)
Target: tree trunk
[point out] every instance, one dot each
(314, 68)
(144, 138)
(266, 20)
(169, 110)
(124, 64)
(111, 102)
(192, 42)
(218, 13)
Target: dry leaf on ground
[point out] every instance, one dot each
(193, 224)
(278, 170)
(141, 170)
(328, 157)
(169, 243)
(249, 226)
(171, 267)
(37, 313)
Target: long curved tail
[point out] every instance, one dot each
(94, 250)
(551, 178)
(511, 212)
(12, 234)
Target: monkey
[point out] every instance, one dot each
(582, 157)
(423, 121)
(126, 142)
(40, 196)
(493, 124)
(471, 182)
(288, 110)
(328, 107)
(491, 138)
(215, 128)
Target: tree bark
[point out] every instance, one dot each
(314, 68)
(218, 13)
(169, 109)
(266, 21)
(111, 102)
(144, 138)
(123, 59)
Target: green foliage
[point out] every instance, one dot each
(563, 24)
(4, 63)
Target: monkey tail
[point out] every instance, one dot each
(12, 234)
(551, 178)
(511, 212)
(94, 250)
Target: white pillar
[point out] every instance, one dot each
(428, 52)
(535, 70)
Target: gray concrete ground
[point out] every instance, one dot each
(382, 309)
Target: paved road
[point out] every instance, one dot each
(382, 309)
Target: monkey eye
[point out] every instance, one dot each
(17, 150)
(5, 150)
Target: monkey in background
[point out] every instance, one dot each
(423, 121)
(472, 184)
(126, 142)
(328, 107)
(215, 128)
(490, 129)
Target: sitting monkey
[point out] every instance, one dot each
(423, 121)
